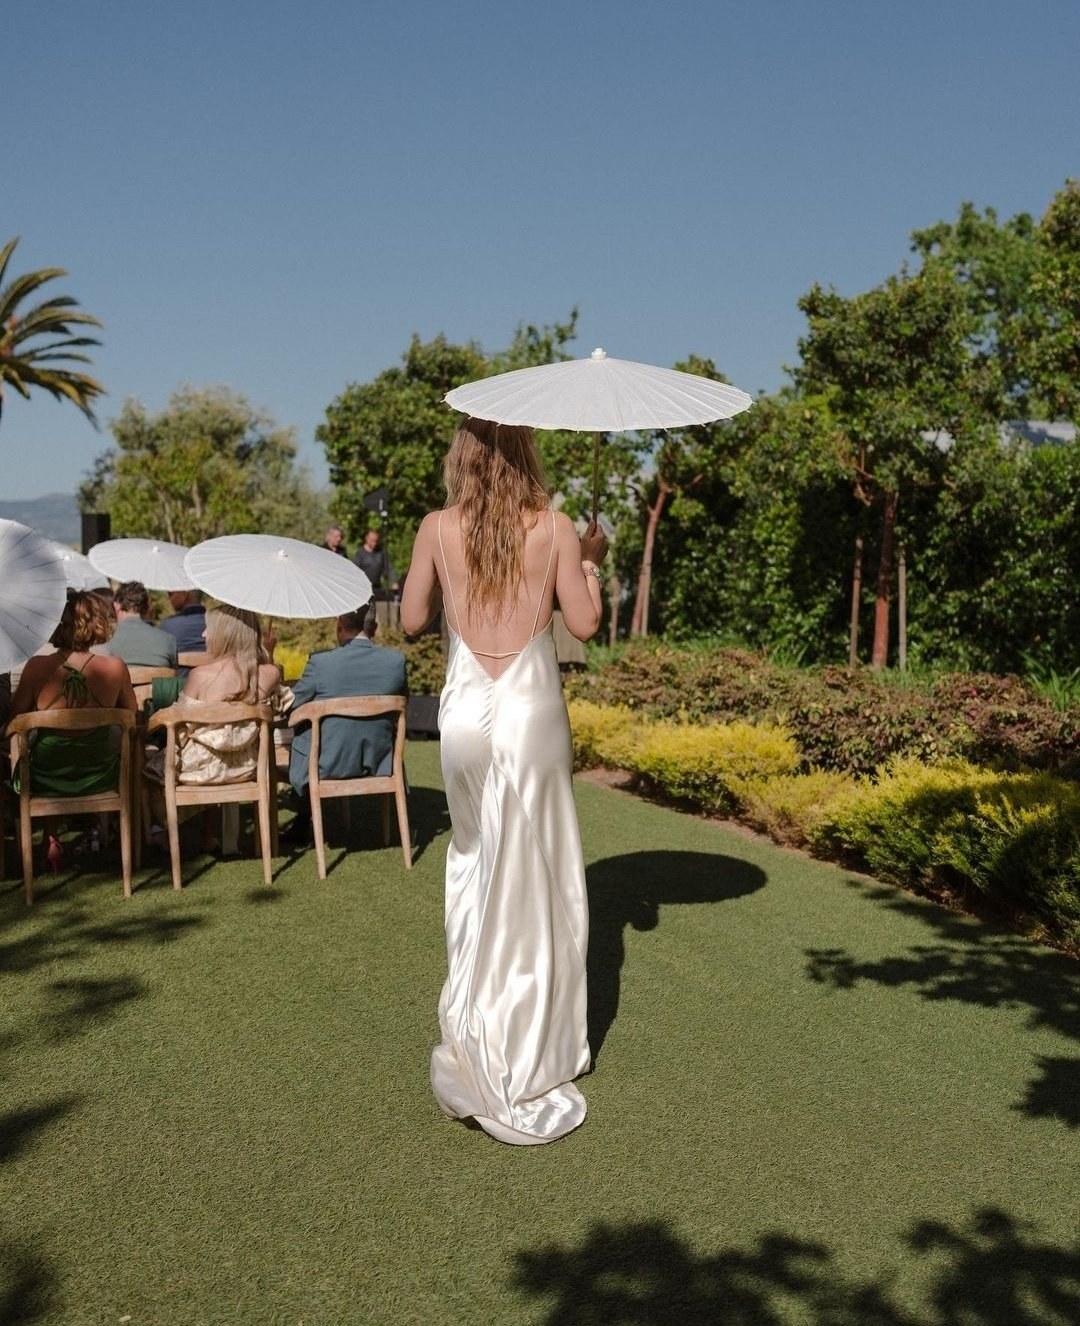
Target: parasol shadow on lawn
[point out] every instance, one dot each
(631, 890)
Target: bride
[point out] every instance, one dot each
(512, 1009)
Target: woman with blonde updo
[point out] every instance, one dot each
(238, 668)
(512, 1010)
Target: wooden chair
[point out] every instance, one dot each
(31, 805)
(142, 681)
(258, 790)
(192, 658)
(356, 706)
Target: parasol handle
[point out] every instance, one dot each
(595, 476)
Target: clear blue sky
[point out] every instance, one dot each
(276, 196)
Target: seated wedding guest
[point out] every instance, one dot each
(188, 621)
(238, 669)
(348, 747)
(135, 640)
(73, 677)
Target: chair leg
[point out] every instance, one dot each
(26, 833)
(403, 825)
(125, 848)
(266, 839)
(317, 828)
(173, 822)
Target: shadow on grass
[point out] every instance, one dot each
(994, 1272)
(969, 962)
(630, 890)
(19, 1128)
(28, 1287)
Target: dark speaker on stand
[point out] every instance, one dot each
(95, 528)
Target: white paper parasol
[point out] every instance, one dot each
(277, 576)
(79, 571)
(153, 562)
(600, 395)
(32, 592)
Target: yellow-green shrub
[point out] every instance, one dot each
(791, 807)
(292, 661)
(603, 734)
(1014, 837)
(706, 764)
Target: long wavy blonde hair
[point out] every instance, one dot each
(237, 634)
(494, 473)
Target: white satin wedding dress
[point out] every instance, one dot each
(513, 1008)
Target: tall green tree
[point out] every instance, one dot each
(681, 459)
(208, 464)
(897, 367)
(994, 264)
(1046, 331)
(36, 342)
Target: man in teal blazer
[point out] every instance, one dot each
(348, 747)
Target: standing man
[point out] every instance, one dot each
(349, 747)
(372, 559)
(188, 621)
(335, 536)
(135, 641)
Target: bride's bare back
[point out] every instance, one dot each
(551, 565)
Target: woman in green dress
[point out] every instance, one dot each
(75, 763)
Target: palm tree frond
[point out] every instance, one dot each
(23, 353)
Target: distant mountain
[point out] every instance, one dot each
(55, 515)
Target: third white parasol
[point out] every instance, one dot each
(277, 576)
(79, 571)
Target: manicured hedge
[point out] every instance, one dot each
(848, 720)
(952, 827)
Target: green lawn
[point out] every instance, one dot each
(815, 1100)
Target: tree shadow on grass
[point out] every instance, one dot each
(28, 1286)
(993, 1272)
(974, 964)
(19, 1128)
(630, 890)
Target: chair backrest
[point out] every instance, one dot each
(192, 658)
(214, 714)
(142, 680)
(352, 706)
(75, 719)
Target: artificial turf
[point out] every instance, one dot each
(815, 1100)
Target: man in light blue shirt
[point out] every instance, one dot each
(135, 641)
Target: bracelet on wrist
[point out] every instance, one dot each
(591, 569)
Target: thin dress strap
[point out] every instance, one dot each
(449, 582)
(543, 583)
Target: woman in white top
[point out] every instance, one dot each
(512, 1011)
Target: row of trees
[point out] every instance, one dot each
(886, 442)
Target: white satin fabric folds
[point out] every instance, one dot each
(512, 1011)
